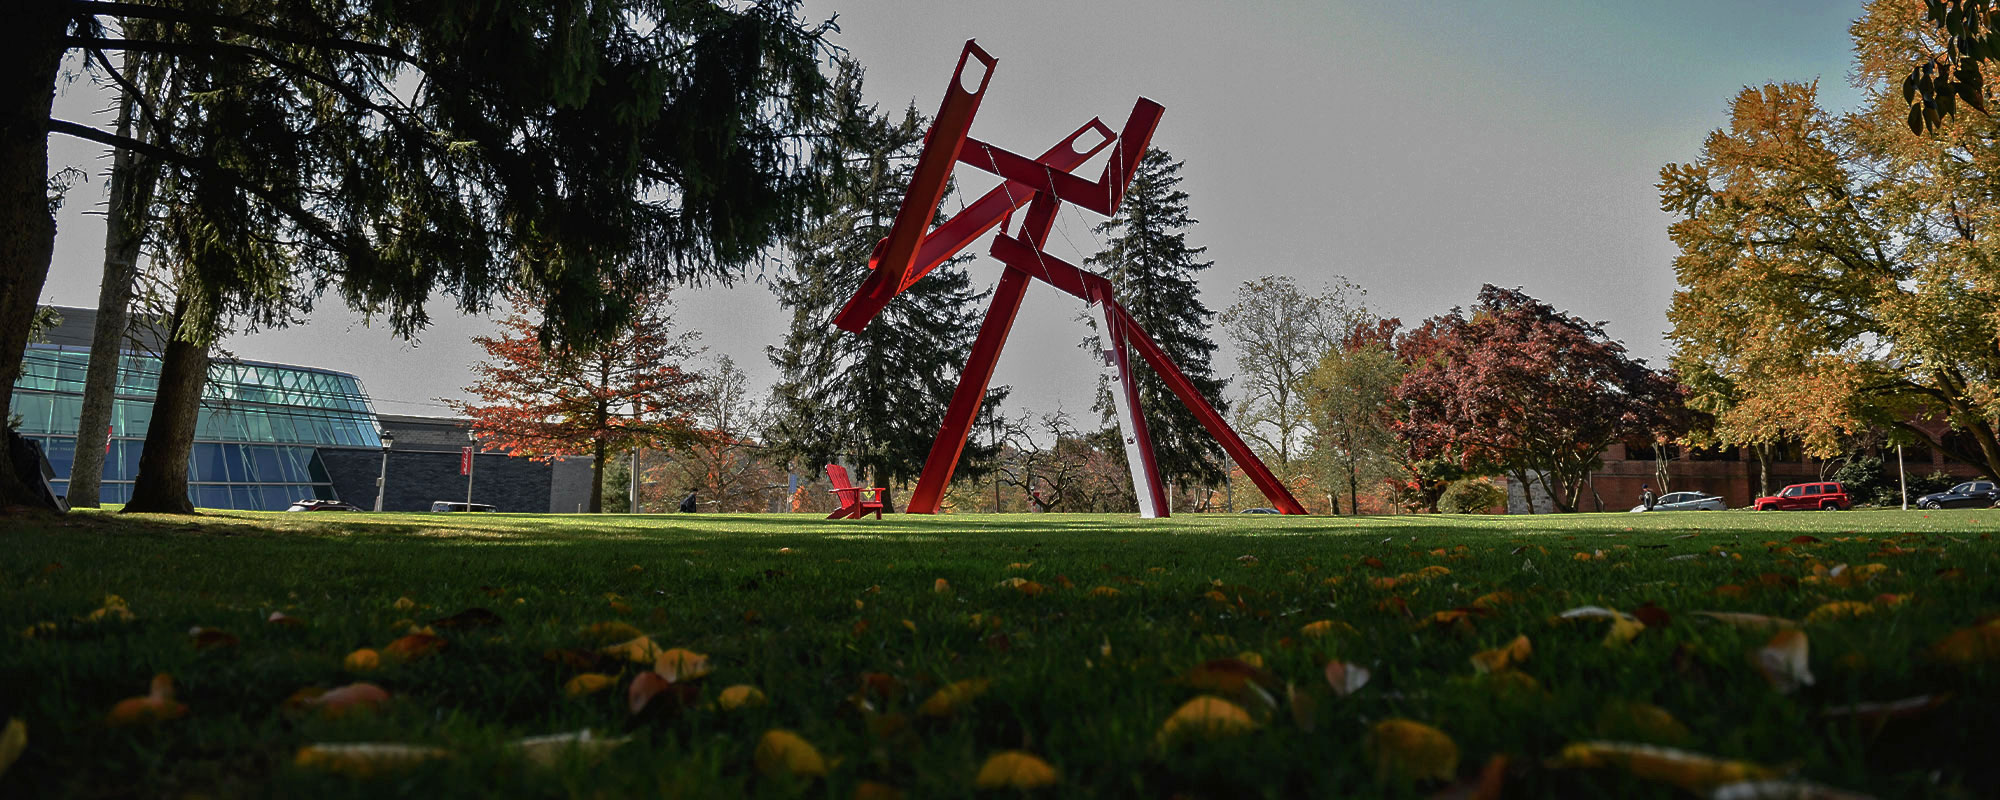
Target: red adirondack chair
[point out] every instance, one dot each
(852, 506)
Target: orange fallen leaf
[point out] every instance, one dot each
(364, 759)
(876, 790)
(205, 638)
(1014, 769)
(1843, 609)
(1499, 658)
(1785, 661)
(1978, 644)
(1325, 627)
(335, 703)
(954, 697)
(639, 650)
(1103, 591)
(941, 586)
(741, 695)
(1207, 717)
(588, 683)
(782, 753)
(362, 660)
(680, 665)
(650, 690)
(1691, 771)
(1493, 599)
(1407, 751)
(414, 645)
(156, 706)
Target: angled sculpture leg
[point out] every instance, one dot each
(1131, 419)
(1169, 372)
(971, 392)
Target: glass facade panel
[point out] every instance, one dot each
(256, 434)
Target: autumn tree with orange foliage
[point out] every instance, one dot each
(551, 400)
(1838, 273)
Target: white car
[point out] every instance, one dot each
(1684, 501)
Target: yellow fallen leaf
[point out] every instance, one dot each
(1104, 591)
(1623, 629)
(114, 608)
(1014, 769)
(1407, 751)
(953, 697)
(1020, 565)
(158, 705)
(1325, 627)
(1978, 644)
(1785, 661)
(588, 683)
(1500, 658)
(782, 752)
(1250, 658)
(362, 660)
(404, 604)
(1011, 583)
(38, 629)
(741, 695)
(1206, 717)
(1842, 609)
(680, 665)
(547, 751)
(638, 650)
(1433, 571)
(1691, 771)
(363, 759)
(13, 740)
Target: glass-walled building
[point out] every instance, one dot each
(257, 438)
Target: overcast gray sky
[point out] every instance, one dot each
(1419, 149)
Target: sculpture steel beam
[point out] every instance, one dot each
(1041, 184)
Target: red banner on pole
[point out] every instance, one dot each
(465, 461)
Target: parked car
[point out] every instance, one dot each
(1826, 496)
(322, 505)
(1260, 511)
(1971, 494)
(440, 506)
(1684, 501)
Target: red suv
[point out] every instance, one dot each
(1799, 496)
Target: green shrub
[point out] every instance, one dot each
(1471, 496)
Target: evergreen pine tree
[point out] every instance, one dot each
(873, 399)
(1153, 270)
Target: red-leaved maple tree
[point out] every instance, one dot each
(551, 401)
(1520, 387)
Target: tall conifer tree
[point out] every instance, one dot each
(872, 399)
(1149, 262)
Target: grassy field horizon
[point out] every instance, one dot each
(1082, 641)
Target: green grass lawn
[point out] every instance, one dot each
(842, 627)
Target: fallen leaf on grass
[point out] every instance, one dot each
(1014, 769)
(336, 703)
(1487, 785)
(156, 706)
(415, 645)
(1623, 630)
(941, 586)
(680, 665)
(1499, 658)
(587, 683)
(283, 620)
(1590, 612)
(548, 750)
(638, 650)
(876, 790)
(1742, 620)
(1103, 591)
(1644, 720)
(1325, 627)
(1784, 661)
(364, 759)
(13, 740)
(205, 638)
(1842, 609)
(362, 660)
(403, 604)
(1691, 771)
(651, 690)
(1876, 713)
(782, 753)
(1407, 751)
(1207, 717)
(954, 697)
(1978, 644)
(741, 695)
(588, 660)
(114, 608)
(1346, 678)
(1782, 790)
(1654, 616)
(1493, 600)
(1225, 675)
(613, 631)
(470, 618)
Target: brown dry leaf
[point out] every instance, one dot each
(1492, 600)
(588, 683)
(365, 759)
(639, 650)
(205, 638)
(1206, 717)
(650, 690)
(1785, 661)
(1346, 678)
(1103, 591)
(336, 703)
(681, 665)
(1691, 771)
(1654, 616)
(1014, 769)
(13, 740)
(1030, 588)
(1407, 751)
(1978, 644)
(362, 660)
(741, 695)
(1225, 675)
(1841, 609)
(954, 697)
(782, 753)
(1499, 658)
(156, 706)
(414, 645)
(1742, 620)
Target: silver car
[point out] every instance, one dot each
(1685, 501)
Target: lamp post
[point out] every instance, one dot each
(382, 481)
(471, 461)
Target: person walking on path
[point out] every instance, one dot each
(1646, 496)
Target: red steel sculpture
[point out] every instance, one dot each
(1040, 184)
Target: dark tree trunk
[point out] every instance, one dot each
(132, 179)
(31, 48)
(162, 485)
(597, 478)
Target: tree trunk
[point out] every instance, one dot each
(31, 48)
(597, 478)
(162, 485)
(1763, 454)
(132, 179)
(1527, 490)
(1354, 491)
